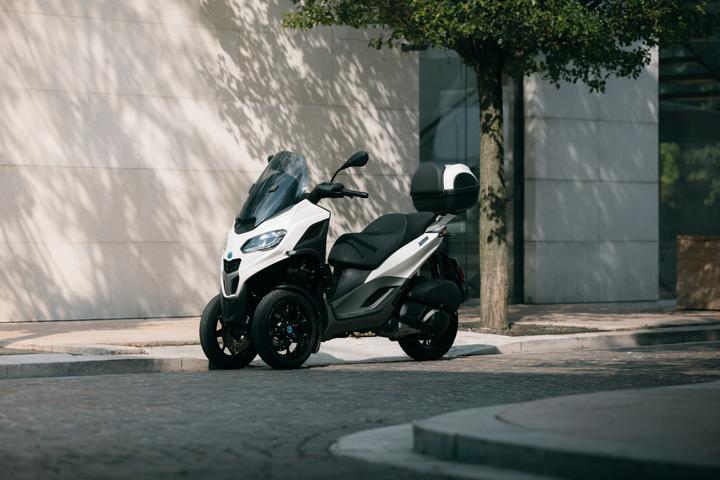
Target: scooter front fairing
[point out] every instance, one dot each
(237, 266)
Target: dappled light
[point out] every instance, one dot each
(132, 131)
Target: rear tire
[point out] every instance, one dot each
(430, 348)
(225, 348)
(284, 329)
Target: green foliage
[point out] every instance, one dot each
(689, 169)
(669, 152)
(563, 40)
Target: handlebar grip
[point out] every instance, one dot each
(355, 193)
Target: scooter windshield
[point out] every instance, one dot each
(280, 186)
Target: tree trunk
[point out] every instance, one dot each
(493, 227)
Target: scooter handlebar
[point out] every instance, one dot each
(354, 193)
(333, 190)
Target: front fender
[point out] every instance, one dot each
(232, 308)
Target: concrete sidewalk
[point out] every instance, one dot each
(107, 336)
(128, 336)
(160, 345)
(588, 317)
(670, 432)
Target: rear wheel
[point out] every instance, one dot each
(284, 329)
(225, 346)
(430, 347)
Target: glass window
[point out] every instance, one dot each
(449, 133)
(689, 149)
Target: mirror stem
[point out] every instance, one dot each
(335, 175)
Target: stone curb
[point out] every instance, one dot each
(393, 446)
(81, 349)
(480, 443)
(615, 339)
(490, 441)
(94, 365)
(108, 359)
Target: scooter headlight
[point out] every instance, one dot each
(266, 241)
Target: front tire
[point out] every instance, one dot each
(430, 347)
(226, 348)
(284, 329)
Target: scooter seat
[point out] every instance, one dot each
(368, 249)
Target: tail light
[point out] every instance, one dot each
(460, 272)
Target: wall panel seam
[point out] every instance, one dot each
(220, 100)
(107, 242)
(583, 180)
(592, 120)
(598, 242)
(261, 29)
(194, 170)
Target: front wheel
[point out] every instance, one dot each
(226, 347)
(284, 329)
(430, 347)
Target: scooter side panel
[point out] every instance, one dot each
(348, 314)
(405, 262)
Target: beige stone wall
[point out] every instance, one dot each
(131, 130)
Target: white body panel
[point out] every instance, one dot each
(452, 171)
(295, 220)
(407, 260)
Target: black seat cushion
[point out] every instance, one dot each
(371, 247)
(417, 224)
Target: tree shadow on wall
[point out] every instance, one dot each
(115, 201)
(324, 94)
(133, 132)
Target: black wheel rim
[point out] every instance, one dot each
(289, 330)
(232, 342)
(430, 342)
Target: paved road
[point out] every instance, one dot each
(258, 423)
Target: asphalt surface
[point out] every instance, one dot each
(258, 423)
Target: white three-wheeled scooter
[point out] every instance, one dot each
(281, 297)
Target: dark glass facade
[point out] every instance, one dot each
(450, 133)
(689, 149)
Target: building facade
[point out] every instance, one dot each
(584, 210)
(600, 185)
(131, 131)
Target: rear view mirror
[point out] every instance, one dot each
(359, 159)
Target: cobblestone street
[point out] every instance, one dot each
(258, 423)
